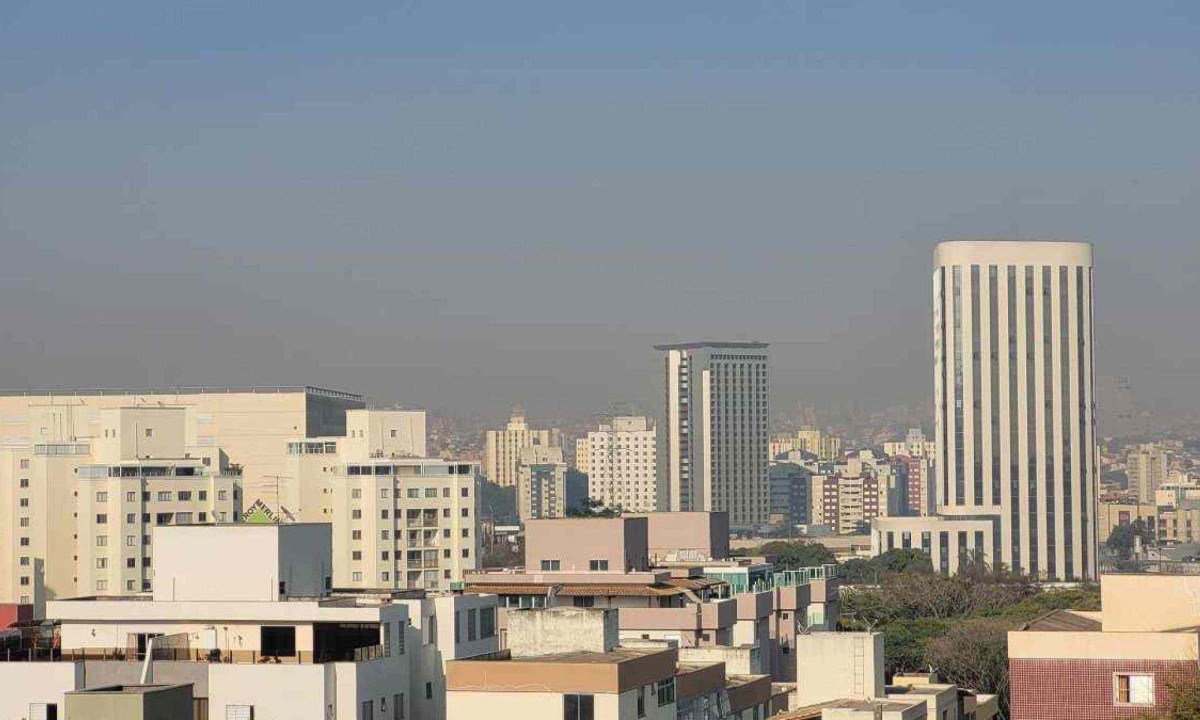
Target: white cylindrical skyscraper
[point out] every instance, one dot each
(1014, 400)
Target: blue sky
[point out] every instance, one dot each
(467, 205)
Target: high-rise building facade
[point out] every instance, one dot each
(1014, 400)
(620, 457)
(541, 483)
(716, 436)
(503, 452)
(1146, 467)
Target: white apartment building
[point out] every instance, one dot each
(622, 466)
(1146, 467)
(914, 445)
(1014, 400)
(541, 483)
(715, 442)
(400, 521)
(248, 424)
(259, 637)
(87, 492)
(503, 452)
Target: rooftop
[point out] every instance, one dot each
(1064, 621)
(616, 656)
(712, 344)
(198, 390)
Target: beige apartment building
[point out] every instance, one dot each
(249, 424)
(621, 461)
(503, 451)
(809, 440)
(541, 483)
(1146, 467)
(84, 507)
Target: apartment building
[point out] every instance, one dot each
(136, 473)
(668, 576)
(914, 445)
(716, 435)
(1110, 515)
(400, 520)
(791, 486)
(621, 465)
(1147, 466)
(570, 663)
(503, 447)
(249, 424)
(808, 440)
(848, 495)
(541, 483)
(257, 637)
(1119, 662)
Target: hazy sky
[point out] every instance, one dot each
(467, 205)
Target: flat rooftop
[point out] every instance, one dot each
(712, 344)
(613, 657)
(196, 390)
(126, 689)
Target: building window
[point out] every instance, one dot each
(356, 514)
(398, 706)
(101, 584)
(487, 623)
(356, 577)
(1130, 689)
(550, 565)
(597, 565)
(101, 563)
(641, 701)
(24, 482)
(666, 691)
(130, 518)
(102, 497)
(584, 602)
(368, 710)
(185, 495)
(102, 518)
(239, 712)
(579, 707)
(428, 691)
(149, 432)
(101, 541)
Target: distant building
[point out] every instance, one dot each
(541, 483)
(810, 440)
(847, 495)
(503, 452)
(715, 439)
(621, 459)
(790, 490)
(1146, 467)
(914, 445)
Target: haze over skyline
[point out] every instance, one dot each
(468, 206)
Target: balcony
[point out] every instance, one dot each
(709, 617)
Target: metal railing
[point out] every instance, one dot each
(234, 657)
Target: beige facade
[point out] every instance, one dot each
(250, 425)
(1014, 399)
(138, 472)
(620, 457)
(1112, 514)
(503, 451)
(1146, 467)
(949, 542)
(399, 521)
(131, 702)
(715, 437)
(541, 483)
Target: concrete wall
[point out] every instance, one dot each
(276, 691)
(575, 542)
(165, 703)
(830, 666)
(23, 683)
(246, 562)
(688, 535)
(558, 630)
(1134, 603)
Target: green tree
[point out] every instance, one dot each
(903, 560)
(973, 654)
(1121, 539)
(792, 555)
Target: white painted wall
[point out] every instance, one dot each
(22, 683)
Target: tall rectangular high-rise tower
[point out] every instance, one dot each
(716, 433)
(1014, 398)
